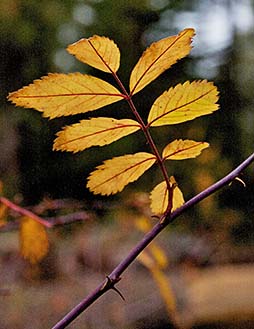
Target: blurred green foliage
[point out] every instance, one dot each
(33, 36)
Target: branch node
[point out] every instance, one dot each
(109, 283)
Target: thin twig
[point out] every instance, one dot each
(24, 212)
(78, 216)
(115, 275)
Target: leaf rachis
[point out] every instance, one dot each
(68, 94)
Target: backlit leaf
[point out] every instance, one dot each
(34, 242)
(160, 56)
(183, 103)
(66, 94)
(96, 131)
(114, 174)
(159, 197)
(183, 149)
(99, 52)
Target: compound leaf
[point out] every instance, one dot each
(183, 103)
(66, 94)
(160, 56)
(34, 242)
(114, 174)
(159, 197)
(99, 52)
(183, 149)
(96, 131)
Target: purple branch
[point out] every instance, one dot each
(115, 276)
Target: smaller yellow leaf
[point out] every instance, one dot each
(159, 255)
(96, 131)
(3, 211)
(99, 52)
(165, 289)
(34, 242)
(183, 149)
(66, 94)
(184, 102)
(160, 279)
(143, 224)
(114, 174)
(159, 197)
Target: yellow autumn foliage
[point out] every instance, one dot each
(114, 174)
(99, 52)
(66, 94)
(160, 278)
(96, 131)
(183, 149)
(3, 214)
(160, 56)
(183, 103)
(69, 94)
(33, 238)
(159, 197)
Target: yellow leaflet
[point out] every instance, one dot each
(99, 52)
(183, 103)
(114, 174)
(3, 214)
(183, 149)
(160, 279)
(165, 289)
(159, 198)
(143, 224)
(66, 94)
(34, 242)
(159, 256)
(160, 56)
(3, 211)
(96, 131)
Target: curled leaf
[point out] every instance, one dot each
(114, 174)
(183, 149)
(66, 94)
(96, 131)
(34, 242)
(183, 103)
(160, 56)
(159, 197)
(99, 52)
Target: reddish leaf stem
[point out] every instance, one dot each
(24, 212)
(115, 275)
(149, 138)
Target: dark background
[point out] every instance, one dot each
(33, 38)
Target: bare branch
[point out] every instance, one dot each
(24, 212)
(115, 275)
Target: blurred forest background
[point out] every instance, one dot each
(33, 38)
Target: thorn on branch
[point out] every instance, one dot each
(118, 292)
(241, 181)
(110, 284)
(237, 179)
